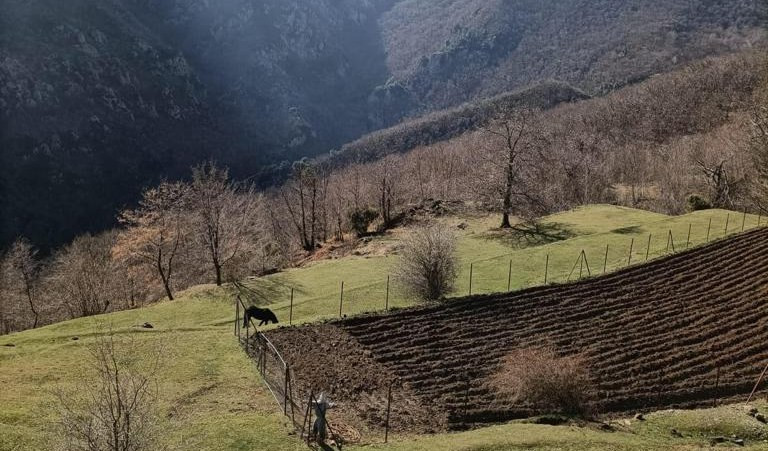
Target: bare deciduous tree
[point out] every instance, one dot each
(155, 231)
(223, 218)
(85, 276)
(301, 200)
(511, 152)
(428, 263)
(758, 147)
(21, 273)
(115, 407)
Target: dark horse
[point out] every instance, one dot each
(263, 314)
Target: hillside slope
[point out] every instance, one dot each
(683, 330)
(100, 98)
(444, 52)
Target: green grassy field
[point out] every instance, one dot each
(213, 399)
(488, 253)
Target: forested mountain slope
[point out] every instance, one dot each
(100, 98)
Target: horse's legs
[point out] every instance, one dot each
(262, 322)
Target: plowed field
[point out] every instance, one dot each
(681, 331)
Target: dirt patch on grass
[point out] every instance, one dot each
(325, 358)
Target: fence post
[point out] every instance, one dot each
(386, 302)
(631, 246)
(285, 392)
(671, 240)
(389, 403)
(581, 263)
(546, 270)
(688, 240)
(471, 267)
(509, 276)
(341, 298)
(290, 314)
(605, 261)
(709, 227)
(759, 217)
(309, 415)
(237, 318)
(727, 220)
(648, 249)
(744, 219)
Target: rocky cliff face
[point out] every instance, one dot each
(100, 98)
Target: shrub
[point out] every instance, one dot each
(697, 202)
(538, 376)
(115, 406)
(428, 264)
(361, 218)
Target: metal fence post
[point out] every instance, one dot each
(471, 267)
(727, 220)
(688, 240)
(670, 240)
(386, 302)
(709, 228)
(648, 249)
(605, 261)
(290, 314)
(631, 246)
(341, 298)
(546, 270)
(509, 276)
(744, 219)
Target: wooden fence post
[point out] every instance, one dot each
(546, 270)
(308, 415)
(605, 261)
(727, 220)
(648, 249)
(290, 314)
(709, 227)
(285, 392)
(237, 318)
(471, 267)
(341, 298)
(509, 276)
(386, 301)
(631, 246)
(389, 403)
(688, 240)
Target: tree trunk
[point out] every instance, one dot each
(165, 278)
(507, 201)
(28, 289)
(218, 273)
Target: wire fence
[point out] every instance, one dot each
(296, 406)
(554, 268)
(543, 265)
